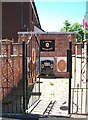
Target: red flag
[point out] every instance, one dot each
(84, 24)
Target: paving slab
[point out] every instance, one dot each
(55, 90)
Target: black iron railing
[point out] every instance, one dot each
(20, 75)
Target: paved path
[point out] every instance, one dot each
(54, 98)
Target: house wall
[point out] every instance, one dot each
(17, 16)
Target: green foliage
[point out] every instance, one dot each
(76, 27)
(66, 27)
(51, 83)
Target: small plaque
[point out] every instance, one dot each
(47, 45)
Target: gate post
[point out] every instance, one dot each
(70, 47)
(23, 77)
(69, 69)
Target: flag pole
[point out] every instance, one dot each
(84, 28)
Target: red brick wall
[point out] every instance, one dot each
(61, 46)
(17, 16)
(79, 49)
(11, 67)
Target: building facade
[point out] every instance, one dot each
(18, 16)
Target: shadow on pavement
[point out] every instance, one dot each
(37, 117)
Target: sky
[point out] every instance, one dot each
(52, 14)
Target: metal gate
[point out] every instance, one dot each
(77, 81)
(20, 74)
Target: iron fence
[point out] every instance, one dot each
(78, 89)
(20, 75)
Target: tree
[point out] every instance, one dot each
(76, 27)
(66, 26)
(80, 32)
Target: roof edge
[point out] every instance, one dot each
(48, 33)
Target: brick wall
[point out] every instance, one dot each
(61, 46)
(12, 83)
(18, 16)
(79, 49)
(11, 66)
(61, 43)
